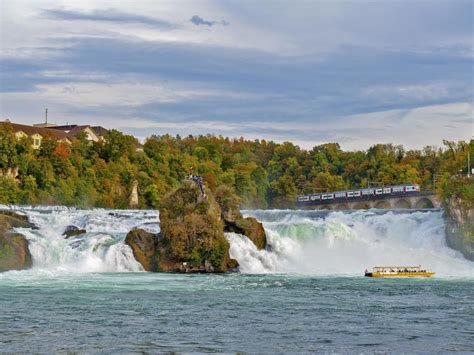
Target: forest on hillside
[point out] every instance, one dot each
(264, 174)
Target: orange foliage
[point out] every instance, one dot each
(62, 152)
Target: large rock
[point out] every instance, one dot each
(144, 248)
(14, 252)
(235, 222)
(229, 203)
(192, 232)
(73, 231)
(10, 219)
(133, 201)
(251, 228)
(460, 226)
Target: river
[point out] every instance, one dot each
(305, 293)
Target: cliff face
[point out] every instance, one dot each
(460, 226)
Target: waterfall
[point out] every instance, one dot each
(309, 242)
(346, 243)
(101, 249)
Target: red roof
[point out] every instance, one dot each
(44, 132)
(74, 130)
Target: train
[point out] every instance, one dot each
(359, 193)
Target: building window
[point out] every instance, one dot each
(36, 142)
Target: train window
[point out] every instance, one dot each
(357, 193)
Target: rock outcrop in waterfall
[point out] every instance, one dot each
(235, 222)
(459, 216)
(144, 247)
(192, 231)
(14, 252)
(192, 239)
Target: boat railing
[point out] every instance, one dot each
(397, 269)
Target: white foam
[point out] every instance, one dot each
(326, 243)
(348, 243)
(101, 249)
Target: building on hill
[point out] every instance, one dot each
(44, 125)
(66, 133)
(93, 134)
(37, 134)
(100, 131)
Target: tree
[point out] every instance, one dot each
(8, 153)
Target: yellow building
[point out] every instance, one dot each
(37, 134)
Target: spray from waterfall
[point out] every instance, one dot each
(101, 249)
(310, 242)
(346, 243)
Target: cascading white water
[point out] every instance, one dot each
(314, 242)
(320, 242)
(101, 249)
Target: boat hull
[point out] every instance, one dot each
(399, 274)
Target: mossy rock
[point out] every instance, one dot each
(192, 231)
(10, 219)
(229, 203)
(14, 252)
(252, 229)
(144, 249)
(460, 226)
(235, 222)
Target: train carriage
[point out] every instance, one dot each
(367, 193)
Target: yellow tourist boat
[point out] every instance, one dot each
(398, 271)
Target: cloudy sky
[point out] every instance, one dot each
(353, 72)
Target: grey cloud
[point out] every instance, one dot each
(197, 20)
(109, 15)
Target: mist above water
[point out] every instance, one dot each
(317, 242)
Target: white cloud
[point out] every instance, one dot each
(117, 94)
(414, 128)
(312, 28)
(307, 33)
(390, 93)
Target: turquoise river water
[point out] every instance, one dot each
(305, 293)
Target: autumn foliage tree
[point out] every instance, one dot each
(263, 174)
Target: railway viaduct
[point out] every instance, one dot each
(424, 199)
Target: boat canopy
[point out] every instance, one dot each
(383, 268)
